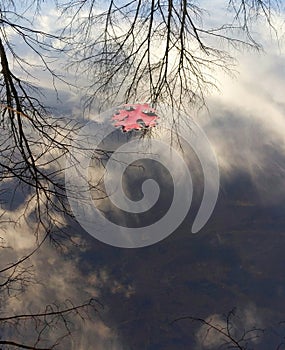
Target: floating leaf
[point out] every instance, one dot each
(135, 117)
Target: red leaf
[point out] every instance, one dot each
(135, 117)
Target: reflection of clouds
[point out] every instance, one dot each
(59, 280)
(247, 123)
(243, 320)
(15, 228)
(55, 278)
(208, 338)
(95, 336)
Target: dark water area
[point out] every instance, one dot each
(235, 262)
